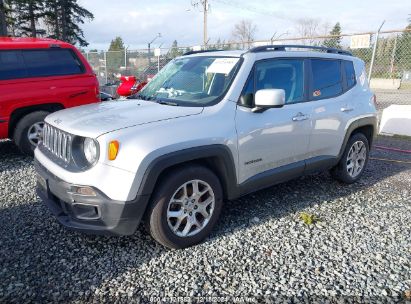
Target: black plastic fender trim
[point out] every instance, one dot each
(361, 122)
(220, 153)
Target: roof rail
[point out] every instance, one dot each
(201, 51)
(269, 48)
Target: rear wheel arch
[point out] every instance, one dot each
(352, 163)
(19, 113)
(367, 130)
(366, 126)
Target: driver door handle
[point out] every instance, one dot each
(346, 109)
(300, 117)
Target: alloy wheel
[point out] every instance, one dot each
(35, 132)
(356, 158)
(190, 208)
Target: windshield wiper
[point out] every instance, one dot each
(144, 97)
(154, 99)
(168, 103)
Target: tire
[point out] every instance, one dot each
(159, 221)
(32, 122)
(344, 171)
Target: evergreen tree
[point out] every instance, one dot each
(116, 44)
(63, 18)
(8, 19)
(28, 12)
(115, 57)
(335, 41)
(403, 50)
(52, 19)
(175, 51)
(3, 21)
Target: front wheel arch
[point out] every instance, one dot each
(218, 158)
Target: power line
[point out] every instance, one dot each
(251, 8)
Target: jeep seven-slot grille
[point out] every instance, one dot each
(57, 142)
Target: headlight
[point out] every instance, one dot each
(90, 150)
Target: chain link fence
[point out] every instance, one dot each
(390, 74)
(143, 63)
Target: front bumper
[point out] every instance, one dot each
(91, 214)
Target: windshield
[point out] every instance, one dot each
(192, 81)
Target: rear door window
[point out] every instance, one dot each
(12, 65)
(326, 78)
(51, 62)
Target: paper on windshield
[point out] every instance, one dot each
(222, 65)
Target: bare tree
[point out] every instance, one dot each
(308, 27)
(244, 32)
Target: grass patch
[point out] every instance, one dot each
(309, 218)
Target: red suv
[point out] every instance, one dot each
(37, 77)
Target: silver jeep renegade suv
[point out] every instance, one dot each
(209, 127)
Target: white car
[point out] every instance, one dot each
(211, 126)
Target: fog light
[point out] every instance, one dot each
(86, 191)
(86, 212)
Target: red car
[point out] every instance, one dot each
(129, 85)
(37, 77)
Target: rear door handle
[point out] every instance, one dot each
(300, 117)
(346, 109)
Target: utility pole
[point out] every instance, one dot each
(205, 7)
(205, 11)
(125, 58)
(149, 45)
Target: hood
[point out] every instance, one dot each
(96, 119)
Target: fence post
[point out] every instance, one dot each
(394, 50)
(105, 66)
(374, 51)
(125, 59)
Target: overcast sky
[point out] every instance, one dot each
(137, 22)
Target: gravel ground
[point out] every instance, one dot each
(359, 251)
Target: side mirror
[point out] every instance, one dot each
(269, 98)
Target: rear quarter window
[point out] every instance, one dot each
(326, 78)
(349, 73)
(17, 64)
(51, 62)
